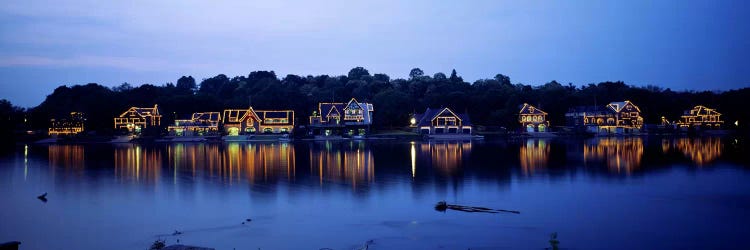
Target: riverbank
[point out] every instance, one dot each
(379, 135)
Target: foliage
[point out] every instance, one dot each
(492, 102)
(11, 119)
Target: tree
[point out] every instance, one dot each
(123, 87)
(503, 79)
(211, 86)
(492, 102)
(11, 118)
(415, 73)
(186, 83)
(454, 77)
(357, 73)
(394, 108)
(381, 77)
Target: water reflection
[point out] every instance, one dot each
(69, 157)
(413, 154)
(353, 162)
(25, 161)
(701, 151)
(445, 156)
(178, 181)
(533, 155)
(137, 163)
(619, 154)
(350, 161)
(235, 161)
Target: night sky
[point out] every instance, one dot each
(698, 45)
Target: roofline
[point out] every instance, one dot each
(249, 109)
(441, 112)
(333, 107)
(155, 110)
(626, 103)
(525, 105)
(355, 101)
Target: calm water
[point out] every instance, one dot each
(614, 193)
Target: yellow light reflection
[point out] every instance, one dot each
(236, 161)
(413, 160)
(69, 157)
(446, 156)
(137, 163)
(25, 161)
(701, 151)
(619, 154)
(533, 155)
(231, 162)
(350, 162)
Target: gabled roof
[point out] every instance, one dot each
(446, 111)
(330, 111)
(531, 110)
(250, 112)
(618, 106)
(208, 116)
(326, 109)
(353, 103)
(701, 110)
(426, 118)
(242, 114)
(142, 112)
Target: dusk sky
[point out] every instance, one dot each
(701, 45)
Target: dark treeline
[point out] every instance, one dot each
(490, 102)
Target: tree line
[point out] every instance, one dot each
(490, 102)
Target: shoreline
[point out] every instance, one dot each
(376, 137)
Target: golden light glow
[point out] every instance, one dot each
(136, 118)
(533, 156)
(701, 151)
(68, 157)
(413, 160)
(231, 162)
(533, 119)
(250, 121)
(136, 163)
(351, 112)
(351, 162)
(441, 121)
(616, 117)
(200, 124)
(446, 156)
(619, 154)
(701, 116)
(68, 126)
